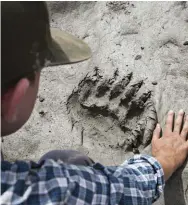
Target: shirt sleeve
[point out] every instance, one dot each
(139, 180)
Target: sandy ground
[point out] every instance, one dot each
(108, 106)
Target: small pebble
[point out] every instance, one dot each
(154, 82)
(142, 48)
(42, 113)
(138, 57)
(41, 99)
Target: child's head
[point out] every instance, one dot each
(28, 45)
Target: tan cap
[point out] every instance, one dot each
(67, 49)
(29, 44)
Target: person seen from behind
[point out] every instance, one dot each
(67, 176)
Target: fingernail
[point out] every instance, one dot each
(181, 111)
(158, 126)
(171, 112)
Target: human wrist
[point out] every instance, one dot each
(168, 167)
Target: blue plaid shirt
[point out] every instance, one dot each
(137, 181)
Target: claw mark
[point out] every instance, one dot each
(120, 86)
(140, 102)
(85, 87)
(102, 89)
(96, 72)
(114, 78)
(137, 105)
(129, 94)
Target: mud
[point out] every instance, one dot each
(107, 107)
(118, 107)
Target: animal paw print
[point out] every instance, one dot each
(115, 112)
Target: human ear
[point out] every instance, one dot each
(12, 98)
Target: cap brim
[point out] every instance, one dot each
(67, 49)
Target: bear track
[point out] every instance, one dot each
(115, 112)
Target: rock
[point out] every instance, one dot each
(138, 57)
(42, 113)
(154, 83)
(185, 43)
(41, 99)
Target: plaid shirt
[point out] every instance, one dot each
(137, 181)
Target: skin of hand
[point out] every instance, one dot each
(171, 150)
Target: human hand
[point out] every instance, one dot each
(171, 149)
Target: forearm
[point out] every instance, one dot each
(167, 169)
(139, 179)
(147, 176)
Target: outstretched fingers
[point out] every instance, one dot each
(178, 122)
(184, 132)
(186, 146)
(156, 133)
(169, 124)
